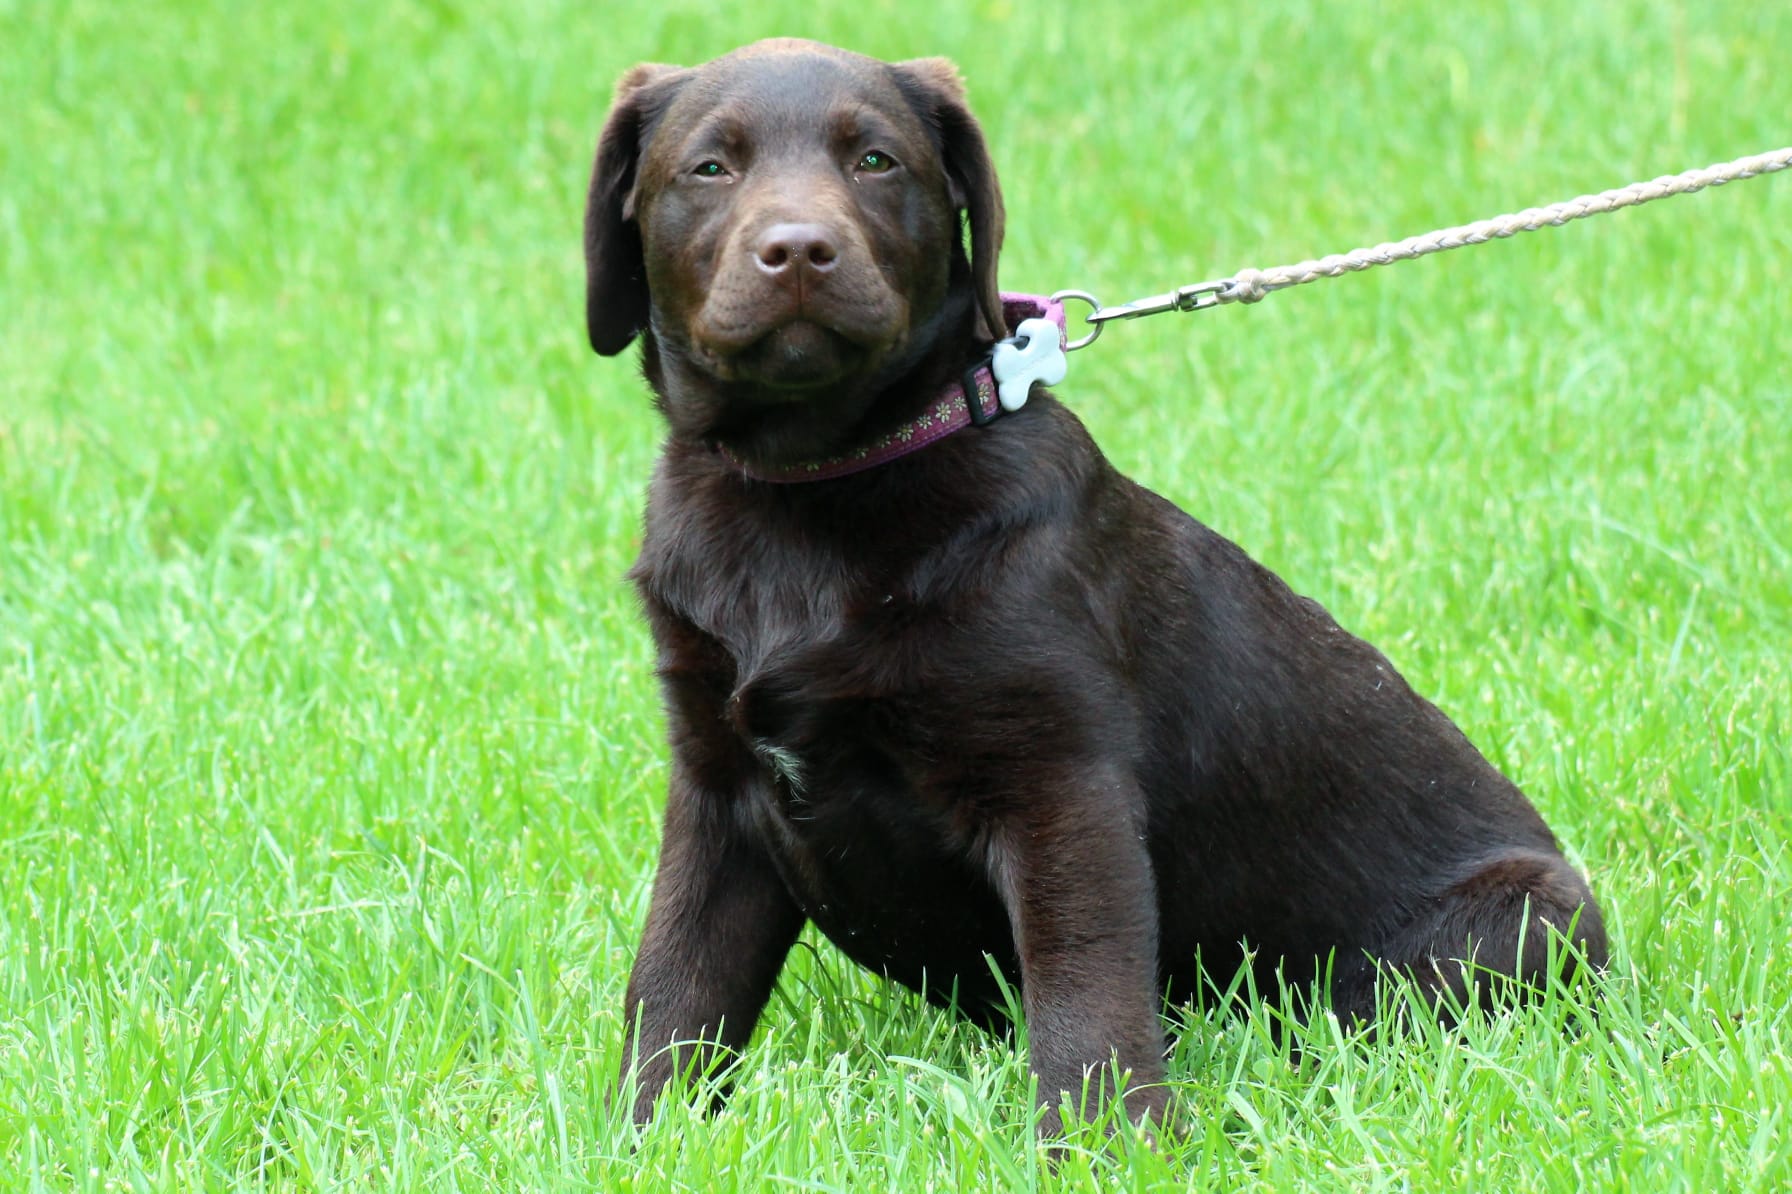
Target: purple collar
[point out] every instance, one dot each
(947, 413)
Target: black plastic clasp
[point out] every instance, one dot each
(973, 396)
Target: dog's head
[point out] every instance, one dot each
(783, 226)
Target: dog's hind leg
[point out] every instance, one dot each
(1514, 922)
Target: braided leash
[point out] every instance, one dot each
(1251, 285)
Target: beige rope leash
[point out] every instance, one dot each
(1251, 285)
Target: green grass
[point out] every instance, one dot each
(330, 755)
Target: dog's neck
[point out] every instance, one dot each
(970, 398)
(950, 411)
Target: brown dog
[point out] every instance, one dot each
(989, 703)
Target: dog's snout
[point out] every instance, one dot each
(803, 247)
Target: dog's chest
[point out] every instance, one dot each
(808, 639)
(809, 612)
(830, 694)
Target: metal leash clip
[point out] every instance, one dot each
(1199, 297)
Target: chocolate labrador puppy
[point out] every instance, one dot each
(964, 696)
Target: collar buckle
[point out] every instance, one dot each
(973, 391)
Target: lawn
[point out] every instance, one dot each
(330, 751)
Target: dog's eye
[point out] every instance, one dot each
(710, 169)
(876, 162)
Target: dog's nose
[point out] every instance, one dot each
(806, 246)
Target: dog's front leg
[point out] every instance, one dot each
(1082, 903)
(718, 929)
(721, 920)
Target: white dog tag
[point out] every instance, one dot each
(1017, 366)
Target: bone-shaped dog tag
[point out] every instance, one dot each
(1032, 354)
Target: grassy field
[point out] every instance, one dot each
(330, 756)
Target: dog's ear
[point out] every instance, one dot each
(616, 299)
(933, 85)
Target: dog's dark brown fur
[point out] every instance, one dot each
(991, 700)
